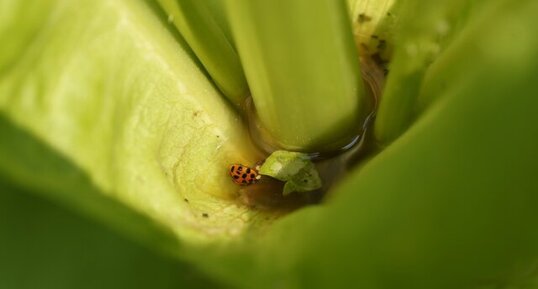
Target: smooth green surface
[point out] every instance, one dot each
(302, 69)
(201, 24)
(46, 246)
(98, 113)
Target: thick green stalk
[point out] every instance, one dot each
(202, 28)
(302, 68)
(396, 110)
(406, 94)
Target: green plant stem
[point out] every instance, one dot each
(203, 29)
(397, 107)
(302, 68)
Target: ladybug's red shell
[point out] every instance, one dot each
(243, 175)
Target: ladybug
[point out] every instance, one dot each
(243, 175)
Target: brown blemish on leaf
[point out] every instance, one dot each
(363, 18)
(382, 44)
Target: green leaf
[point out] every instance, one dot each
(105, 90)
(104, 111)
(294, 168)
(420, 44)
(47, 246)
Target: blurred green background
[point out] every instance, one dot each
(44, 245)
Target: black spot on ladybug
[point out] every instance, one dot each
(186, 200)
(243, 175)
(205, 215)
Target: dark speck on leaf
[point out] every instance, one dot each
(186, 200)
(364, 46)
(205, 215)
(382, 44)
(374, 36)
(363, 18)
(378, 59)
